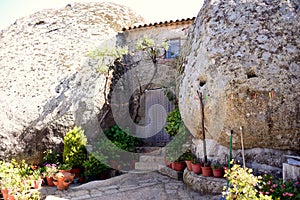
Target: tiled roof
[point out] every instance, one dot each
(165, 23)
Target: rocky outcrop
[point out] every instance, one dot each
(244, 58)
(47, 82)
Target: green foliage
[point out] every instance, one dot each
(174, 122)
(75, 151)
(243, 185)
(50, 170)
(94, 166)
(148, 45)
(174, 150)
(122, 139)
(188, 156)
(12, 176)
(51, 157)
(106, 56)
(64, 167)
(278, 189)
(216, 165)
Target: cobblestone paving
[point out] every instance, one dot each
(131, 186)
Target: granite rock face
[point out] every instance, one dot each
(47, 82)
(244, 58)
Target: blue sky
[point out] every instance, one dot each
(151, 10)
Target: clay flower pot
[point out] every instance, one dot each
(50, 181)
(189, 165)
(196, 168)
(206, 171)
(63, 180)
(75, 171)
(178, 166)
(6, 194)
(218, 172)
(38, 184)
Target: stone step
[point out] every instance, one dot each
(139, 171)
(154, 151)
(146, 166)
(152, 159)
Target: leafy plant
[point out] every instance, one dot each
(75, 151)
(93, 166)
(64, 166)
(243, 185)
(50, 170)
(173, 122)
(216, 165)
(189, 156)
(279, 189)
(174, 149)
(12, 175)
(122, 139)
(51, 157)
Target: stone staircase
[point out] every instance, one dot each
(151, 160)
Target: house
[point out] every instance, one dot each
(145, 83)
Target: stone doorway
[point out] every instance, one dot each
(161, 138)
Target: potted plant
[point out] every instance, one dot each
(218, 170)
(64, 168)
(173, 122)
(206, 169)
(189, 157)
(93, 168)
(51, 157)
(63, 180)
(36, 178)
(75, 152)
(196, 166)
(179, 164)
(50, 170)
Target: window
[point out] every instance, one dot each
(174, 48)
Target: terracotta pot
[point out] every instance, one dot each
(196, 168)
(206, 171)
(64, 170)
(178, 166)
(63, 180)
(38, 184)
(81, 179)
(50, 181)
(75, 171)
(168, 163)
(102, 176)
(6, 194)
(113, 164)
(218, 173)
(189, 165)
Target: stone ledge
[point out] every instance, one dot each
(203, 185)
(170, 172)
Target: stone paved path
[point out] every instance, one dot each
(131, 186)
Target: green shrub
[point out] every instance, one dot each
(122, 139)
(173, 122)
(75, 152)
(174, 150)
(94, 166)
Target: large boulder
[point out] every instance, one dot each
(47, 82)
(243, 56)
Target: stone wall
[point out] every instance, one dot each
(48, 84)
(244, 58)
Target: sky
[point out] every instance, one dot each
(151, 10)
